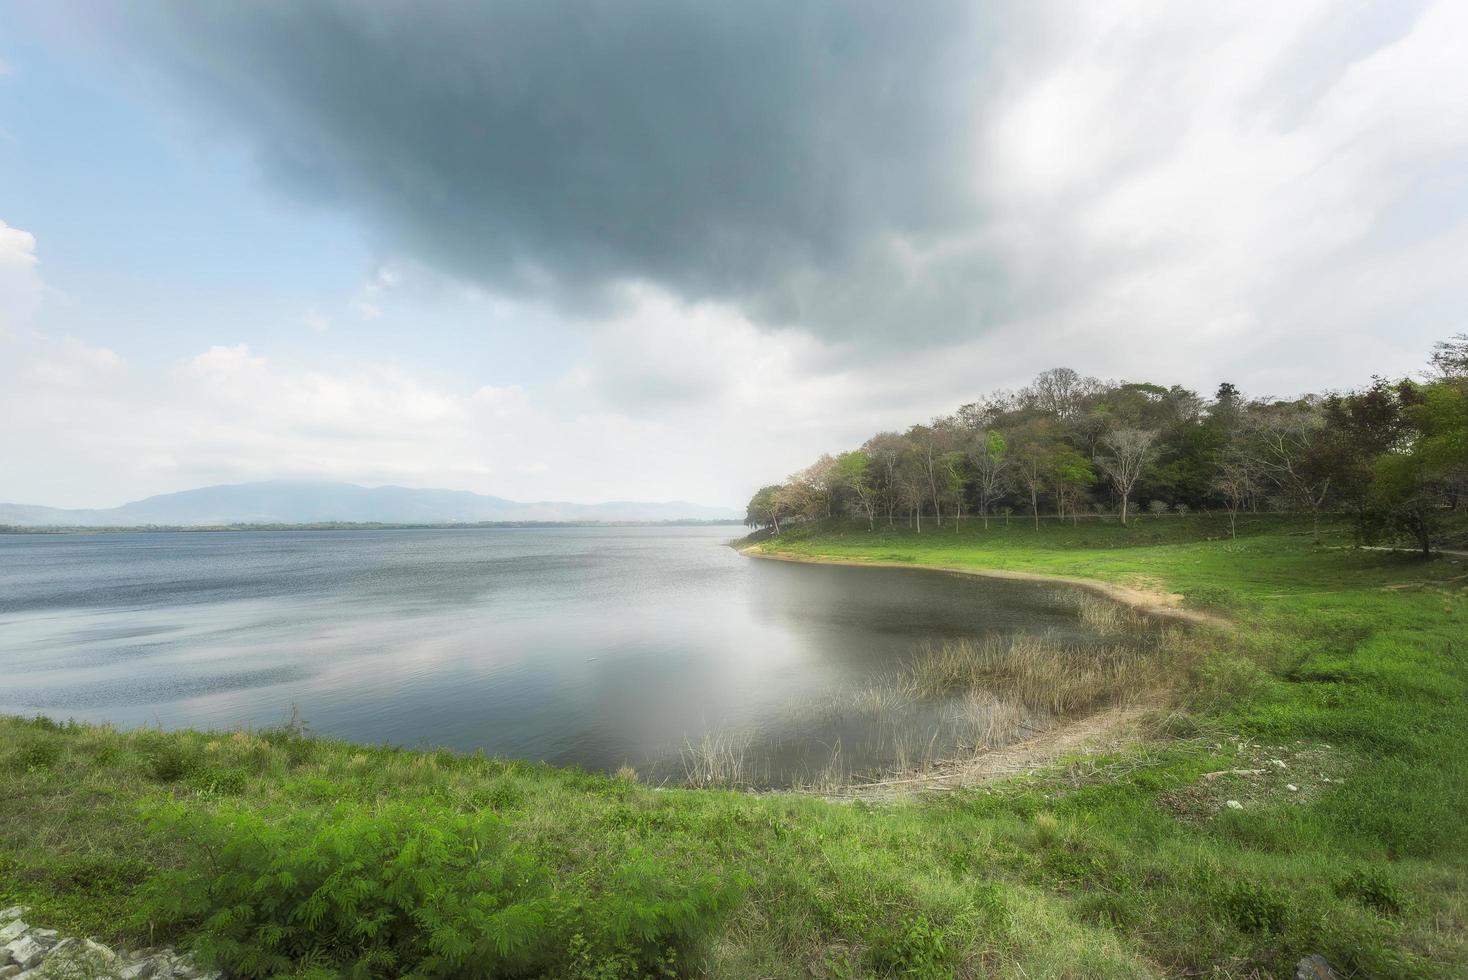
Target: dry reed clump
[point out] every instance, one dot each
(1104, 617)
(1041, 675)
(719, 758)
(994, 721)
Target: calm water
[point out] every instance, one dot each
(595, 647)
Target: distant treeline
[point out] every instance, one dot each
(346, 526)
(1393, 454)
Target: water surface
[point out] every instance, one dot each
(594, 647)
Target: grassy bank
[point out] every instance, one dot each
(1345, 678)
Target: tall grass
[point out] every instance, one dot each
(1043, 675)
(719, 758)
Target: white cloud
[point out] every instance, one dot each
(314, 319)
(1268, 195)
(20, 280)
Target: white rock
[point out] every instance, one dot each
(1292, 787)
(14, 912)
(26, 952)
(15, 930)
(141, 970)
(1234, 805)
(1277, 763)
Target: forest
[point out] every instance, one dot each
(1392, 455)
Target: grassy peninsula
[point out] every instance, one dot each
(1332, 713)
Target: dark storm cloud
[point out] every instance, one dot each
(787, 157)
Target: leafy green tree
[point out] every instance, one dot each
(853, 473)
(1073, 476)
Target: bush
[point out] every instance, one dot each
(34, 754)
(169, 761)
(1372, 888)
(1253, 907)
(411, 890)
(914, 949)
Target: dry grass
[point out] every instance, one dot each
(719, 758)
(1105, 617)
(1041, 675)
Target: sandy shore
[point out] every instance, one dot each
(1165, 605)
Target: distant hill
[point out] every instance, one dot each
(313, 502)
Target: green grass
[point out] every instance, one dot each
(278, 854)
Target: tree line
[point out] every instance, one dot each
(1393, 454)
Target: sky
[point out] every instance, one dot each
(674, 250)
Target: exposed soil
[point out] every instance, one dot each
(1103, 731)
(1149, 601)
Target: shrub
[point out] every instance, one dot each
(169, 761)
(1372, 888)
(913, 949)
(411, 890)
(1253, 907)
(34, 754)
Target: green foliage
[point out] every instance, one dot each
(402, 890)
(277, 853)
(915, 948)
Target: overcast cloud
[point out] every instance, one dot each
(775, 224)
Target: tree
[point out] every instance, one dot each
(819, 480)
(1073, 476)
(1418, 481)
(1127, 452)
(930, 443)
(1032, 463)
(852, 472)
(1290, 445)
(1234, 485)
(1059, 392)
(912, 485)
(762, 510)
(885, 449)
(987, 453)
(955, 471)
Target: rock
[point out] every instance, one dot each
(15, 930)
(6, 972)
(46, 937)
(76, 959)
(1234, 805)
(14, 912)
(26, 952)
(1315, 967)
(141, 970)
(1292, 787)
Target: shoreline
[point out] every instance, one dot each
(1164, 605)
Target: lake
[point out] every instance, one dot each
(594, 647)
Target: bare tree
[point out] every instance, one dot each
(1290, 448)
(1127, 453)
(1234, 484)
(1059, 392)
(929, 443)
(1032, 463)
(987, 452)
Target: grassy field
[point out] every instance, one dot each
(1345, 677)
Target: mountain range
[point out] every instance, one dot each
(314, 502)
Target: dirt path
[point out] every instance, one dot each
(1103, 731)
(1165, 605)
